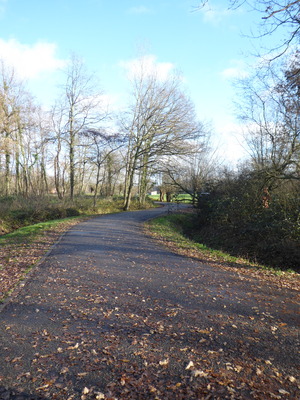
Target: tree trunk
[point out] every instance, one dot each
(7, 173)
(128, 188)
(18, 183)
(72, 166)
(143, 184)
(96, 186)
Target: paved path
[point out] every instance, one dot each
(111, 314)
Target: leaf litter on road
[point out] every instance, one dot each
(165, 330)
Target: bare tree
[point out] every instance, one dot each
(193, 173)
(42, 129)
(102, 146)
(29, 149)
(10, 92)
(57, 149)
(160, 122)
(276, 16)
(271, 111)
(80, 108)
(18, 126)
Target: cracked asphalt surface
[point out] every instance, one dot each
(112, 314)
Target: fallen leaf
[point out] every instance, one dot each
(164, 362)
(190, 365)
(64, 370)
(122, 382)
(282, 391)
(238, 368)
(200, 373)
(100, 396)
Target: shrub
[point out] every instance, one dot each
(16, 212)
(72, 212)
(234, 218)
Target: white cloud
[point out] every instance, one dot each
(30, 61)
(139, 10)
(215, 14)
(238, 70)
(111, 101)
(230, 141)
(148, 65)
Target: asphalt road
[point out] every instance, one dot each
(112, 314)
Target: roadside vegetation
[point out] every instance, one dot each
(176, 197)
(29, 227)
(21, 249)
(245, 218)
(176, 232)
(18, 211)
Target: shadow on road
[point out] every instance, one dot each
(12, 394)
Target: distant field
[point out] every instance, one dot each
(182, 197)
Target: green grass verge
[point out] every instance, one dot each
(30, 232)
(171, 228)
(182, 198)
(28, 243)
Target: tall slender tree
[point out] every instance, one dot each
(159, 122)
(271, 111)
(16, 118)
(80, 108)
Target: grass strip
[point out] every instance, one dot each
(171, 230)
(30, 232)
(22, 249)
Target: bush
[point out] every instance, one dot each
(19, 211)
(16, 212)
(72, 212)
(234, 218)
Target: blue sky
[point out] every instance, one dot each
(207, 47)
